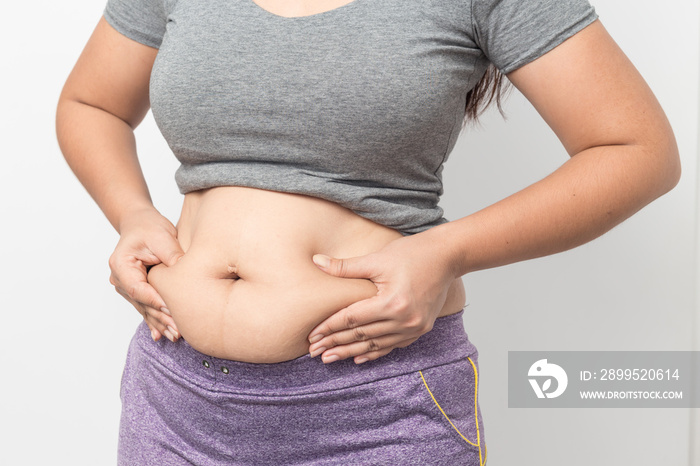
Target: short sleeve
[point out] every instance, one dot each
(141, 20)
(512, 33)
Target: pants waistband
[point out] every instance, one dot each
(447, 342)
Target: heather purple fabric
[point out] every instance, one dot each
(180, 406)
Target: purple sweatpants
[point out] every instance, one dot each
(416, 405)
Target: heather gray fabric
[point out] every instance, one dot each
(418, 405)
(360, 105)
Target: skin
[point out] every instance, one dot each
(623, 156)
(305, 8)
(247, 289)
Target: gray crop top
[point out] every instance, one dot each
(360, 105)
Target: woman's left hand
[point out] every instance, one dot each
(412, 275)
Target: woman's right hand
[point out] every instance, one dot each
(146, 238)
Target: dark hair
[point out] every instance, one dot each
(491, 87)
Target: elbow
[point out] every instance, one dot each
(658, 161)
(669, 170)
(61, 123)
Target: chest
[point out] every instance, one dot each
(367, 74)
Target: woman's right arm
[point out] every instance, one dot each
(103, 100)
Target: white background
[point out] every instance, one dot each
(65, 330)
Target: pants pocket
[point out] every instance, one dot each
(451, 394)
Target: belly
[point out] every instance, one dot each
(246, 288)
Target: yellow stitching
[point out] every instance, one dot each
(443, 412)
(476, 407)
(476, 413)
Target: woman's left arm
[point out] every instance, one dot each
(623, 156)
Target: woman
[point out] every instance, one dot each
(312, 137)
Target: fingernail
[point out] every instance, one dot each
(168, 335)
(331, 358)
(166, 310)
(173, 332)
(314, 338)
(317, 351)
(322, 260)
(361, 360)
(153, 335)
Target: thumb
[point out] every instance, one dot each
(170, 252)
(354, 267)
(175, 256)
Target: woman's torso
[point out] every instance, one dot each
(343, 104)
(247, 289)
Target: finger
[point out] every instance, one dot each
(133, 281)
(353, 267)
(168, 250)
(153, 325)
(355, 315)
(161, 321)
(158, 321)
(165, 322)
(372, 355)
(154, 320)
(361, 333)
(155, 333)
(361, 347)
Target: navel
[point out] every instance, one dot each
(232, 272)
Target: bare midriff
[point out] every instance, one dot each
(247, 288)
